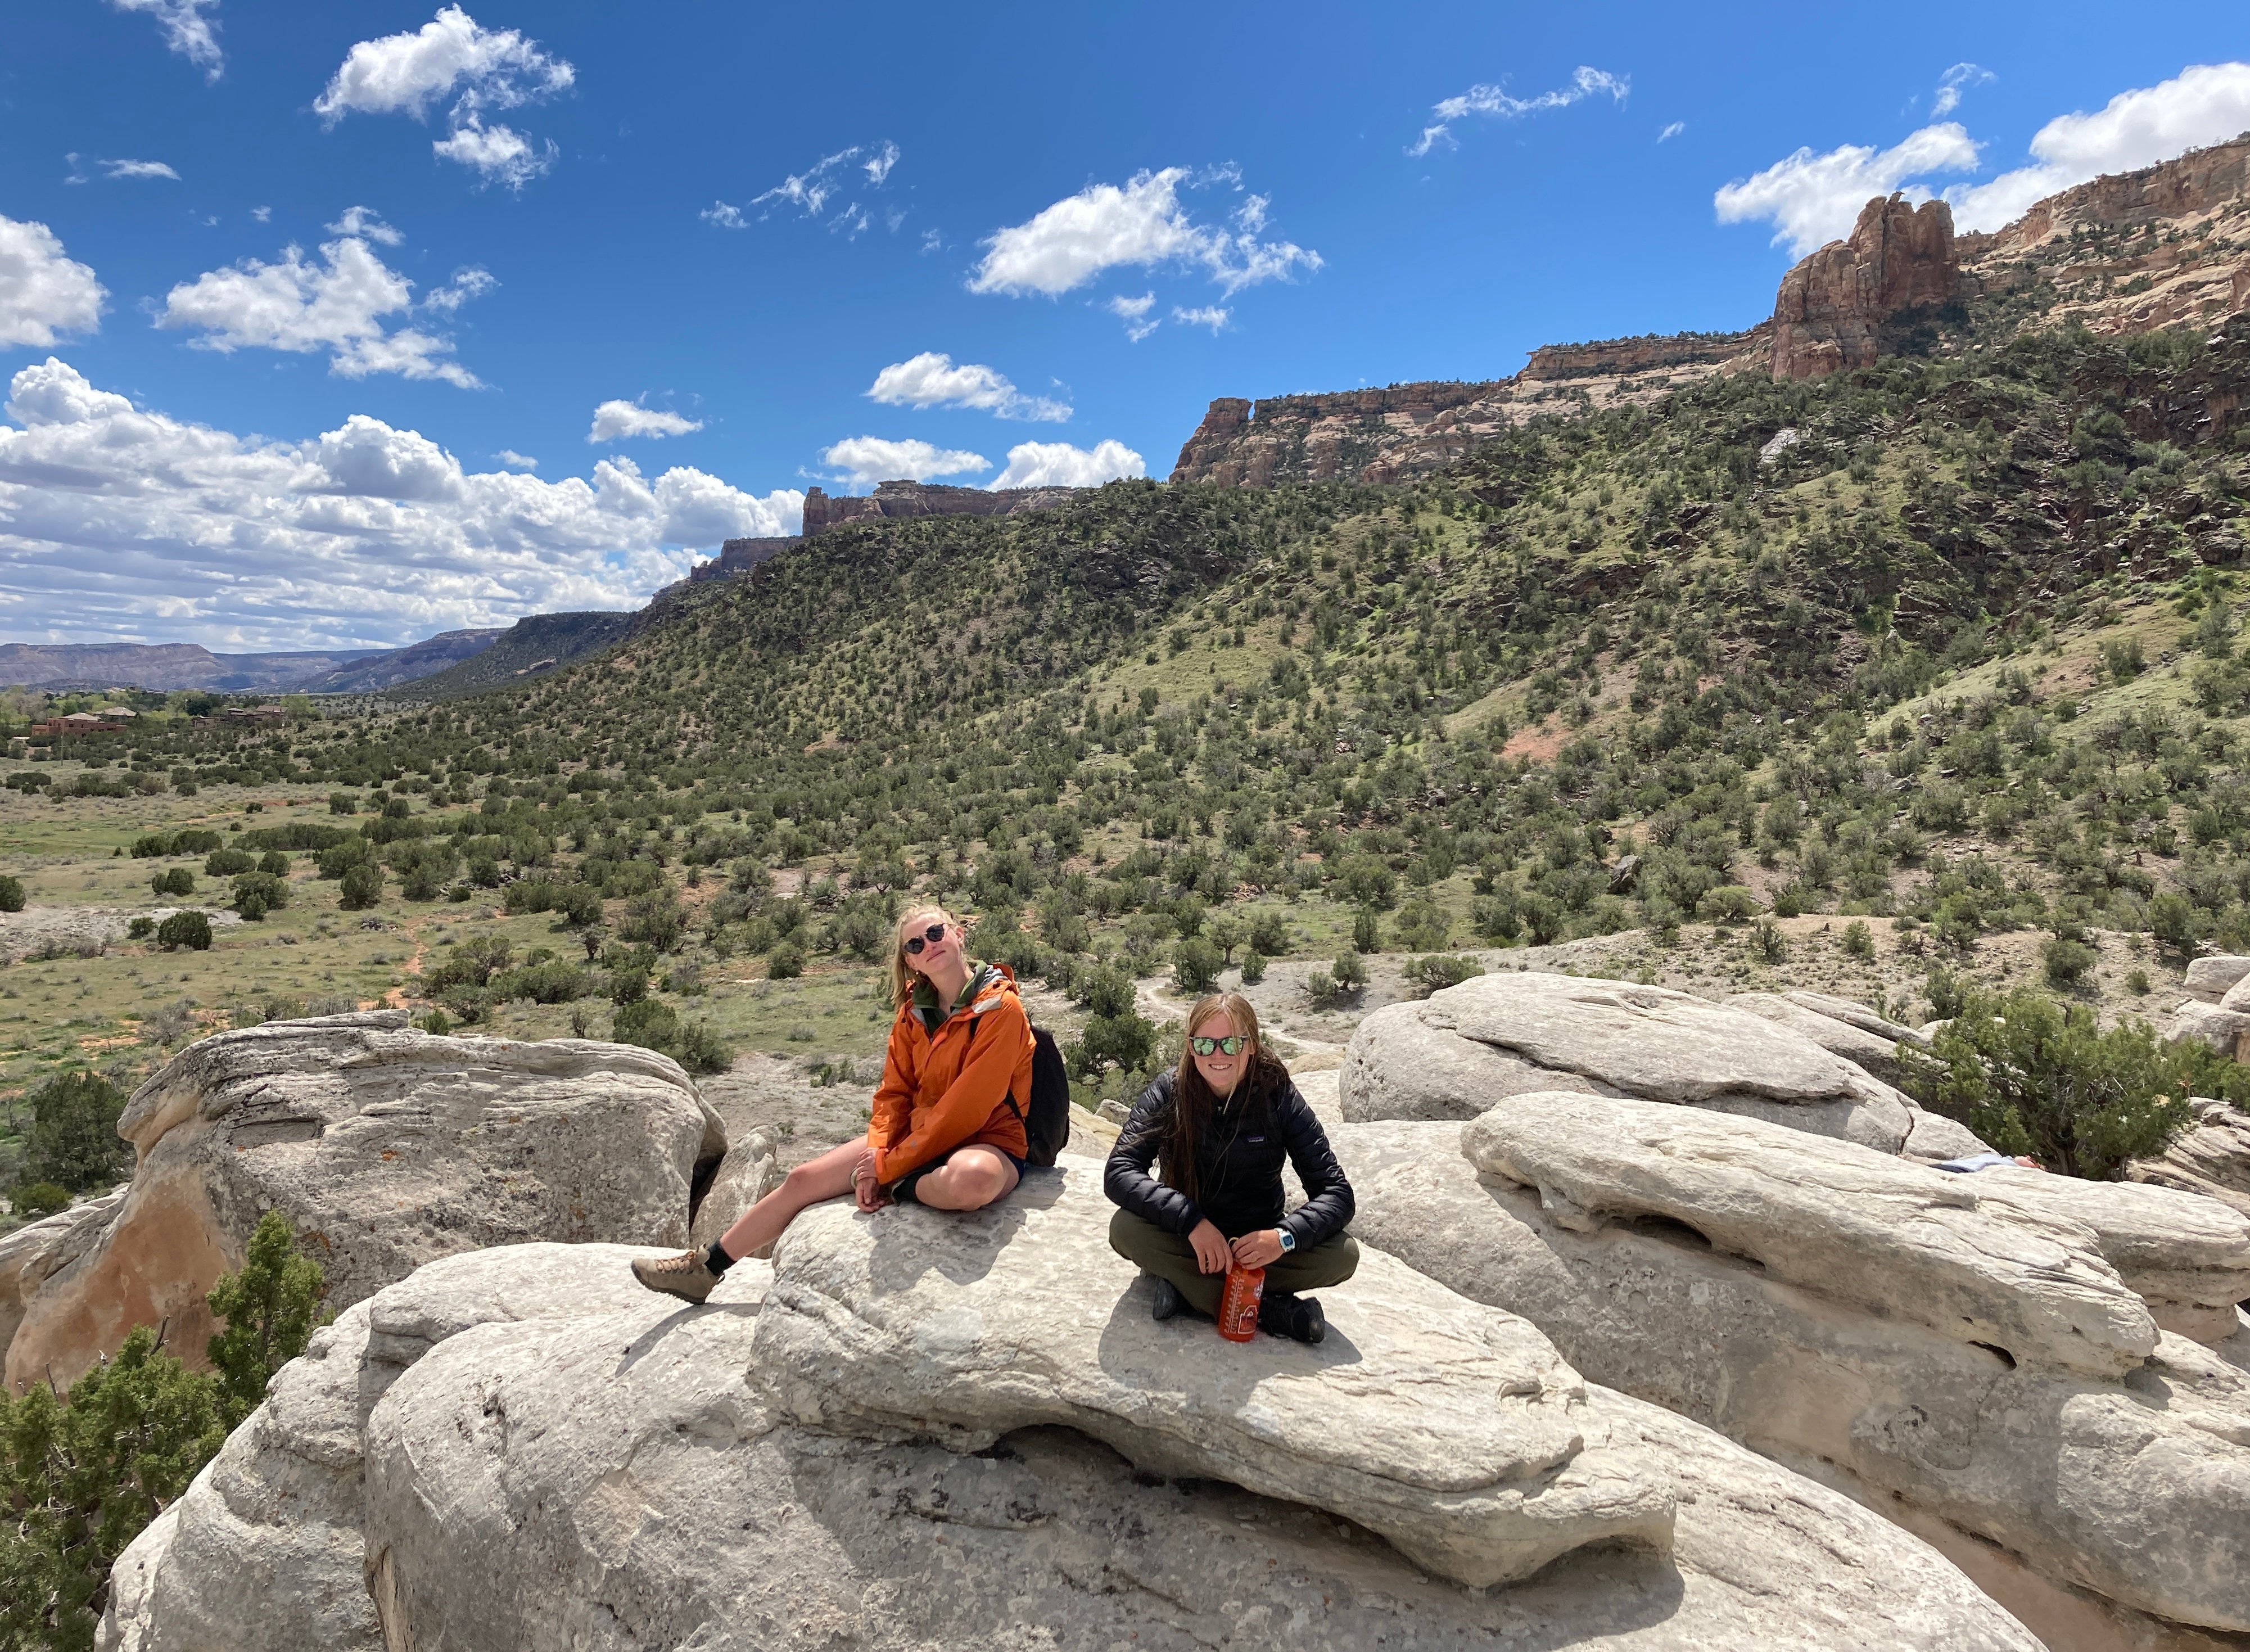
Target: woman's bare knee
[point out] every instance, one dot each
(968, 1184)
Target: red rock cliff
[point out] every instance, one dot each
(1833, 307)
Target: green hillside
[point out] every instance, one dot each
(1960, 653)
(541, 642)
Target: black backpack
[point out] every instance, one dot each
(1046, 1125)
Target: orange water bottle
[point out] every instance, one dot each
(1238, 1304)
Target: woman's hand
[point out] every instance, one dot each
(865, 1188)
(1258, 1249)
(1211, 1254)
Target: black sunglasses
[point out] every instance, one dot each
(929, 937)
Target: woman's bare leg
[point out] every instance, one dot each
(972, 1178)
(826, 1176)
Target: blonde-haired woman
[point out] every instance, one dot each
(1221, 1124)
(948, 1124)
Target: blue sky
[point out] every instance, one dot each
(1101, 219)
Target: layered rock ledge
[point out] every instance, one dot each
(1463, 1050)
(1851, 1314)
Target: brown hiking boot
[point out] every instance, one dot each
(687, 1276)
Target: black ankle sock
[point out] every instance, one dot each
(716, 1259)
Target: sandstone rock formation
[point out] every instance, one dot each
(1836, 307)
(387, 1148)
(1459, 1436)
(1388, 434)
(1837, 1025)
(39, 1250)
(514, 1449)
(2162, 247)
(750, 1171)
(2210, 978)
(2105, 1511)
(1464, 1049)
(2213, 1159)
(899, 501)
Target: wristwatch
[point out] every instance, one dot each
(1288, 1242)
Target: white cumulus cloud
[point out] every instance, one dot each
(2206, 104)
(877, 459)
(931, 379)
(1811, 199)
(1060, 464)
(453, 58)
(185, 29)
(514, 460)
(1142, 223)
(1493, 100)
(338, 305)
(43, 292)
(615, 421)
(118, 523)
(1211, 315)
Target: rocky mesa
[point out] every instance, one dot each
(2166, 245)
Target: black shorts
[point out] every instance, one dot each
(902, 1190)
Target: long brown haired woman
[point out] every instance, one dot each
(1219, 1127)
(947, 1129)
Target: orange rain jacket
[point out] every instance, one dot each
(948, 1089)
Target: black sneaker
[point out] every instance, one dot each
(1299, 1318)
(1166, 1301)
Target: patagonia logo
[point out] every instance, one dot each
(1257, 1141)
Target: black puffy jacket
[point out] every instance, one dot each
(1238, 1167)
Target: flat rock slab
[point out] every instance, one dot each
(387, 1148)
(1470, 1046)
(1455, 1431)
(612, 1483)
(1888, 1236)
(1873, 1051)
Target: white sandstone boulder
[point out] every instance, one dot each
(573, 1462)
(2106, 1512)
(2211, 978)
(1464, 1049)
(387, 1148)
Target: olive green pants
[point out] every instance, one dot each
(1170, 1256)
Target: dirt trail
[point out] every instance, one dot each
(396, 998)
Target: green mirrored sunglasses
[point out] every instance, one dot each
(1219, 1046)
